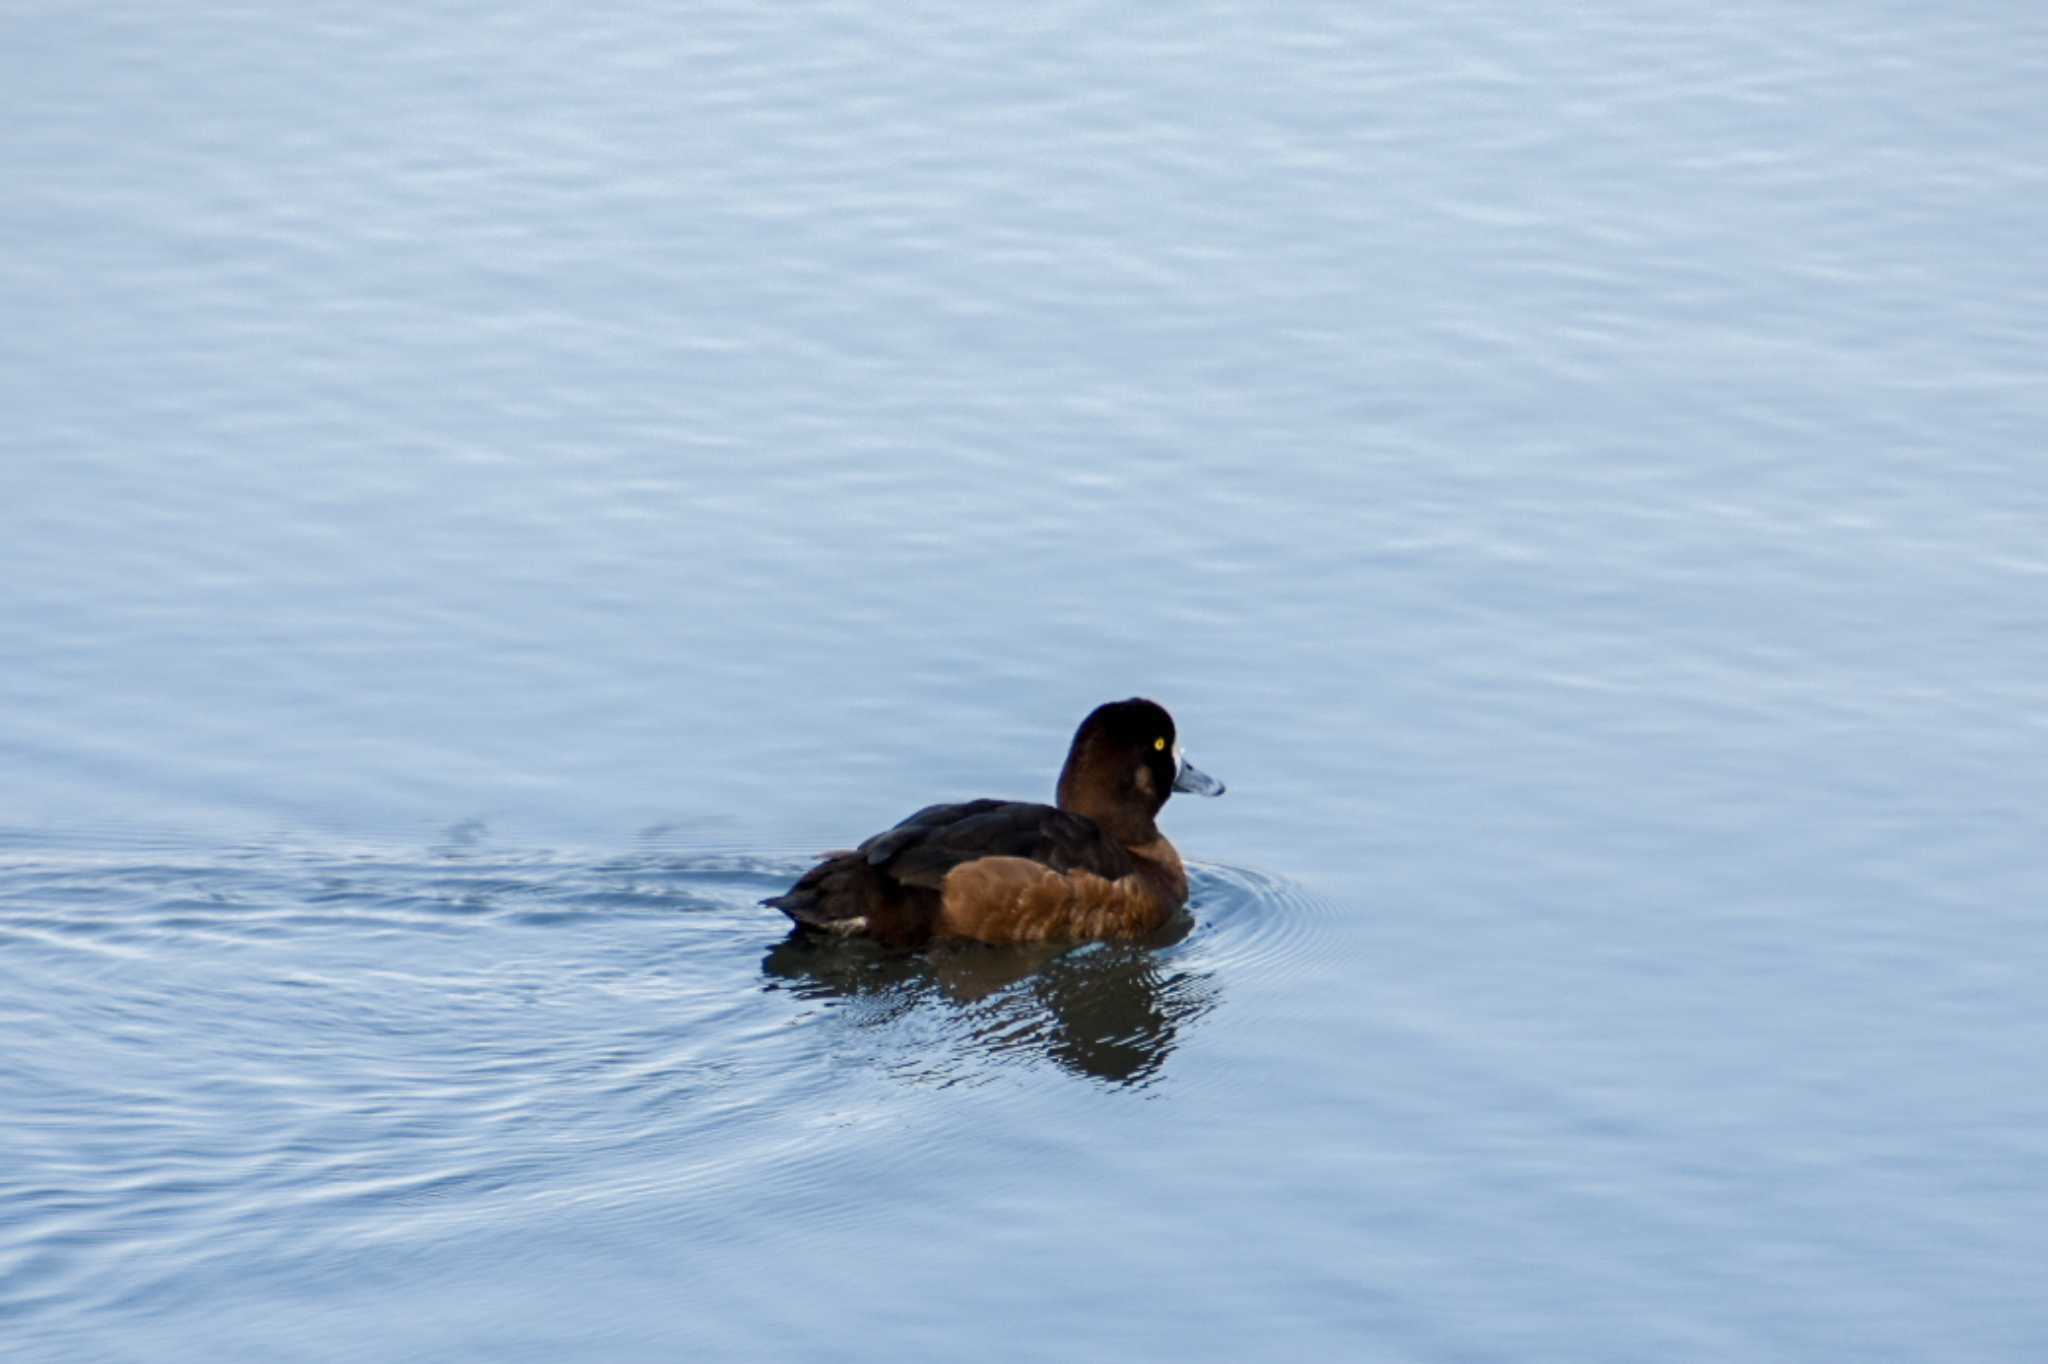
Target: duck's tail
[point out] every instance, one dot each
(847, 896)
(836, 896)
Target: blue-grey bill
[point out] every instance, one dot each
(1195, 781)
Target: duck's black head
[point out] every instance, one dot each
(1125, 761)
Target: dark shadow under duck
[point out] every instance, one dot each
(1113, 1012)
(1095, 866)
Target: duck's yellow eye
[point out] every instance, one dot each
(1159, 745)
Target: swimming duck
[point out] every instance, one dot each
(1094, 866)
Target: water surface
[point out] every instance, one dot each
(487, 493)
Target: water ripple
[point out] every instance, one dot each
(223, 1059)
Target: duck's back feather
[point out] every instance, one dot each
(889, 887)
(927, 845)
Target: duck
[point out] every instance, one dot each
(1091, 866)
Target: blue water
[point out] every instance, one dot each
(487, 492)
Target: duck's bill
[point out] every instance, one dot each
(1195, 781)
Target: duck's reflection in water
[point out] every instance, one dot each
(1113, 1011)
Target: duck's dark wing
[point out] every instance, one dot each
(923, 848)
(889, 887)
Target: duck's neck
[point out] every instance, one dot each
(1118, 814)
(1132, 828)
